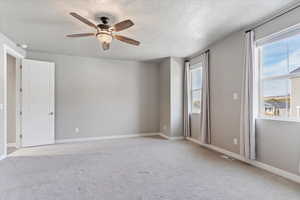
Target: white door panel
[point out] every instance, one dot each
(37, 103)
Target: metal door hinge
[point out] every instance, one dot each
(21, 136)
(21, 112)
(21, 90)
(21, 66)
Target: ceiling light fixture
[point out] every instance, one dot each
(105, 32)
(104, 37)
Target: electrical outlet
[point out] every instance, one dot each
(164, 127)
(77, 130)
(235, 96)
(235, 141)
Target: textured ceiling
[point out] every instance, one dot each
(164, 27)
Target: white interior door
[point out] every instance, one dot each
(37, 103)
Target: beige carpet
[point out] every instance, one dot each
(135, 169)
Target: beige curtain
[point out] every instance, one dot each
(247, 129)
(186, 101)
(205, 136)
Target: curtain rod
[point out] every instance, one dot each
(202, 52)
(283, 12)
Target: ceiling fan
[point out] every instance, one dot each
(105, 32)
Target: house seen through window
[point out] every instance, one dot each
(280, 78)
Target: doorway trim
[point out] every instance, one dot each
(10, 51)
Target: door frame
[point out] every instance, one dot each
(10, 51)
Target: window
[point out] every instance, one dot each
(196, 88)
(279, 63)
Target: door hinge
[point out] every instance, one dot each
(21, 66)
(21, 112)
(21, 136)
(21, 90)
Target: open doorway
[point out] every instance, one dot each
(11, 106)
(28, 102)
(12, 100)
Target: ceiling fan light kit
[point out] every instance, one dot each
(104, 36)
(104, 32)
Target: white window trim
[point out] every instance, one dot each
(280, 35)
(282, 119)
(276, 77)
(281, 76)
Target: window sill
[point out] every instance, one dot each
(278, 119)
(195, 113)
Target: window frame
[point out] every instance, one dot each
(192, 91)
(260, 79)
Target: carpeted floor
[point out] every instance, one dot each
(147, 168)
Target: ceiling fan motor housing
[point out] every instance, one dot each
(104, 25)
(104, 20)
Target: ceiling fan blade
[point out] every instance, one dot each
(123, 25)
(81, 35)
(127, 40)
(105, 46)
(84, 20)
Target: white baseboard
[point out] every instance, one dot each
(171, 138)
(2, 157)
(266, 167)
(277, 171)
(11, 145)
(220, 150)
(73, 140)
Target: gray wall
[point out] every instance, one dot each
(177, 75)
(4, 41)
(165, 96)
(226, 61)
(171, 96)
(277, 142)
(285, 21)
(11, 99)
(103, 97)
